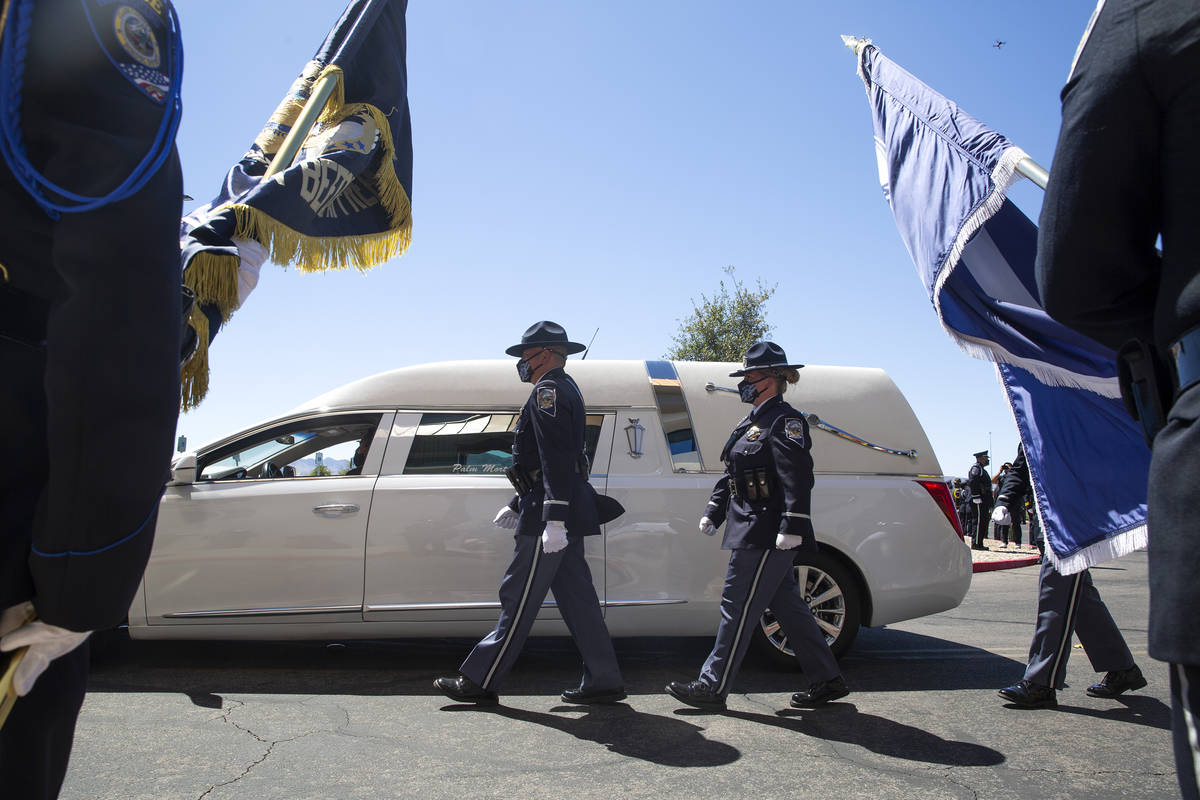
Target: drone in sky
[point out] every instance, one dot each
(998, 44)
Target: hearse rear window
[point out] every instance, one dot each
(474, 443)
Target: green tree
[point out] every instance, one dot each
(722, 327)
(320, 471)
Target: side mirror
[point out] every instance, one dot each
(183, 471)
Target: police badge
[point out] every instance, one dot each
(753, 434)
(794, 428)
(546, 397)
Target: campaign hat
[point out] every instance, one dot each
(983, 453)
(545, 334)
(764, 355)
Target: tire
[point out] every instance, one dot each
(839, 611)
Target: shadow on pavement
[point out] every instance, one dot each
(1148, 711)
(627, 732)
(842, 722)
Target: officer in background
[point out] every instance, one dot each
(765, 497)
(554, 508)
(1066, 604)
(1125, 173)
(980, 485)
(91, 196)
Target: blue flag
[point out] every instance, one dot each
(344, 202)
(945, 175)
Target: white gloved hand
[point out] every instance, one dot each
(707, 527)
(251, 256)
(978, 501)
(506, 518)
(787, 541)
(45, 643)
(554, 538)
(1002, 516)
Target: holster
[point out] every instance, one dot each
(1145, 386)
(523, 480)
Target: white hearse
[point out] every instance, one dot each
(276, 533)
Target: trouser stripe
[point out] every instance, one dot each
(1185, 703)
(516, 620)
(737, 637)
(1068, 628)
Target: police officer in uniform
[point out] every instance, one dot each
(981, 498)
(90, 316)
(764, 497)
(554, 508)
(1125, 173)
(1066, 604)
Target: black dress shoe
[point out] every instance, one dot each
(821, 693)
(1118, 681)
(594, 696)
(697, 694)
(464, 690)
(1028, 694)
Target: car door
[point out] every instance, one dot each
(273, 528)
(432, 551)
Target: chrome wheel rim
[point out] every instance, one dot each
(824, 598)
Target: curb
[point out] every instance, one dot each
(1012, 563)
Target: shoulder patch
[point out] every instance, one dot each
(794, 429)
(547, 399)
(140, 41)
(134, 34)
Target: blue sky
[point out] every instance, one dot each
(599, 164)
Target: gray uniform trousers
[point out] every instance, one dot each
(1069, 603)
(530, 576)
(757, 580)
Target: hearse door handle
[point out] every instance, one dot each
(335, 509)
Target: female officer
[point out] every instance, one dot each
(764, 496)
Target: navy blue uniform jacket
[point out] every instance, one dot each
(549, 438)
(774, 438)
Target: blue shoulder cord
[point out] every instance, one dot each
(12, 76)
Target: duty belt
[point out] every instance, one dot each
(526, 480)
(1185, 358)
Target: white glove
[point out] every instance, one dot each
(786, 541)
(554, 538)
(251, 256)
(978, 501)
(707, 527)
(1001, 516)
(506, 518)
(45, 643)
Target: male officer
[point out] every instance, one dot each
(765, 496)
(981, 498)
(1066, 604)
(1125, 174)
(91, 196)
(555, 507)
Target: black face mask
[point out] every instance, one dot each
(749, 390)
(524, 370)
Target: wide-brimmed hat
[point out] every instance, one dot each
(983, 453)
(545, 334)
(764, 355)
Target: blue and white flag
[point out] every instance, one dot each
(345, 202)
(945, 175)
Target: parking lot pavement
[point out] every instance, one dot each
(300, 720)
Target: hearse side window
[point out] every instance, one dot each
(306, 448)
(474, 443)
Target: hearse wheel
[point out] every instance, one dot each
(835, 599)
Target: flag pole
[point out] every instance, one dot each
(1026, 166)
(304, 123)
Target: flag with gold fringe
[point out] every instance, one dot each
(345, 202)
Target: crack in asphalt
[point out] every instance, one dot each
(270, 743)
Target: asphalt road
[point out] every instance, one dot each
(224, 720)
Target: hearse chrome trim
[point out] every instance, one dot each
(816, 422)
(494, 606)
(264, 612)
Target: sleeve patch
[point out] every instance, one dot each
(794, 428)
(547, 398)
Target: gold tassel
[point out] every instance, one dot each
(214, 279)
(318, 254)
(194, 376)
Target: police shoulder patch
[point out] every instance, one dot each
(140, 40)
(547, 399)
(794, 429)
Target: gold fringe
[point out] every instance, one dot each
(214, 279)
(320, 253)
(332, 112)
(194, 376)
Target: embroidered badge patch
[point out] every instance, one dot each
(794, 428)
(136, 37)
(753, 434)
(153, 83)
(546, 398)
